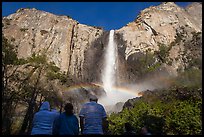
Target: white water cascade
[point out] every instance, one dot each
(114, 93)
(108, 76)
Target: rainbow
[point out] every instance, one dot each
(97, 85)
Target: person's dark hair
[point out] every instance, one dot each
(144, 130)
(93, 98)
(68, 109)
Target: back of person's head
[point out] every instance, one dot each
(144, 130)
(93, 98)
(45, 106)
(68, 109)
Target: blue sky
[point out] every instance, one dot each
(109, 15)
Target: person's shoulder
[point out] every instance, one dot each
(85, 104)
(74, 116)
(59, 115)
(100, 105)
(39, 113)
(36, 113)
(62, 114)
(43, 114)
(50, 112)
(47, 114)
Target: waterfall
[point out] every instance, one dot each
(114, 92)
(108, 76)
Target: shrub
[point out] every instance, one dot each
(184, 119)
(23, 29)
(38, 59)
(9, 54)
(154, 67)
(53, 68)
(190, 77)
(173, 111)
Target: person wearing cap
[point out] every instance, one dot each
(92, 117)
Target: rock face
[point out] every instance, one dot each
(77, 48)
(63, 39)
(195, 11)
(162, 24)
(158, 25)
(116, 108)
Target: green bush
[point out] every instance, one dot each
(53, 68)
(9, 54)
(173, 111)
(184, 119)
(117, 121)
(189, 78)
(163, 52)
(175, 118)
(38, 59)
(154, 67)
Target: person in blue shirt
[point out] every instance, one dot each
(92, 117)
(55, 112)
(43, 120)
(66, 123)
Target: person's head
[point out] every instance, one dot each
(68, 109)
(93, 98)
(144, 130)
(45, 106)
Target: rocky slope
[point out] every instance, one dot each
(195, 11)
(67, 42)
(62, 38)
(159, 25)
(162, 24)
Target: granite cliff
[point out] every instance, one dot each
(166, 24)
(63, 39)
(73, 46)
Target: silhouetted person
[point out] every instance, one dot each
(67, 123)
(144, 131)
(93, 117)
(129, 130)
(43, 120)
